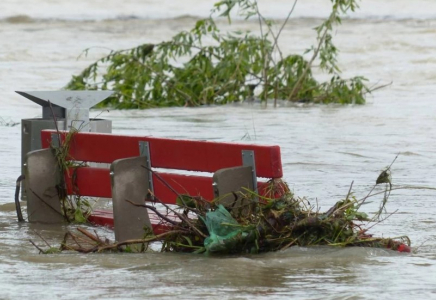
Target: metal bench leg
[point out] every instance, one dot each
(42, 176)
(130, 181)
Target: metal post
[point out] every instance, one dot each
(144, 150)
(248, 160)
(55, 142)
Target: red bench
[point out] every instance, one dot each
(130, 177)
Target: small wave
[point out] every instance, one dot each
(354, 154)
(308, 164)
(24, 19)
(409, 153)
(8, 207)
(19, 19)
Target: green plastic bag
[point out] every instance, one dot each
(225, 233)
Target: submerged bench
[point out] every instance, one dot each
(132, 175)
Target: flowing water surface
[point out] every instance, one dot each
(324, 148)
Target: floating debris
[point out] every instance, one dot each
(262, 224)
(9, 123)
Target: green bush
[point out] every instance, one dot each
(234, 67)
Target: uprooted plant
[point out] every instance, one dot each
(206, 66)
(74, 208)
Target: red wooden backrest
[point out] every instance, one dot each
(202, 156)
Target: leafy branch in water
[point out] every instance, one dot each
(206, 66)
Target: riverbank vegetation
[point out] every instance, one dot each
(207, 66)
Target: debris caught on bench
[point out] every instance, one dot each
(266, 224)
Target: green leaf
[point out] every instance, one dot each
(361, 216)
(78, 216)
(384, 177)
(188, 240)
(185, 201)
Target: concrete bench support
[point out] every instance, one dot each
(228, 182)
(232, 180)
(42, 176)
(130, 181)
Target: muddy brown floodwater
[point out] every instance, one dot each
(324, 148)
